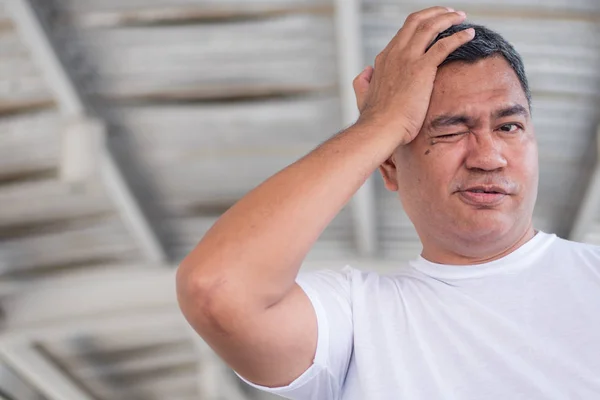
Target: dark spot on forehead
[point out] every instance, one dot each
(427, 152)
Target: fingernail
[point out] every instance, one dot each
(464, 14)
(471, 31)
(450, 9)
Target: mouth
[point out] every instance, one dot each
(486, 196)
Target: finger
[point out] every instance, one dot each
(412, 21)
(429, 29)
(442, 48)
(361, 86)
(369, 73)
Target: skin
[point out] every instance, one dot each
(482, 148)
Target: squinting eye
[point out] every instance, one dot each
(509, 127)
(449, 136)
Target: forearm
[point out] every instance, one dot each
(258, 245)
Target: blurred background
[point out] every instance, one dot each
(128, 126)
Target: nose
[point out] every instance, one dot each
(485, 153)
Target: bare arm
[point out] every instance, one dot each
(237, 287)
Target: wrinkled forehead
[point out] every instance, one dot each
(476, 88)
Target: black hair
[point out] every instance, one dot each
(486, 43)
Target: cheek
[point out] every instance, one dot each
(525, 163)
(440, 166)
(429, 169)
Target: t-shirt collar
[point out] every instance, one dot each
(519, 258)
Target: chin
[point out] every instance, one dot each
(484, 228)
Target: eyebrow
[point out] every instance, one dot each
(449, 120)
(461, 119)
(517, 109)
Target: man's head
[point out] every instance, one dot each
(486, 43)
(468, 181)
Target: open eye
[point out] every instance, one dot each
(510, 128)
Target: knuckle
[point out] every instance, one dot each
(425, 26)
(412, 18)
(443, 45)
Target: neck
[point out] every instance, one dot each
(479, 254)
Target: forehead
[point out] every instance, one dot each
(475, 88)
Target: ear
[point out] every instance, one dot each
(388, 173)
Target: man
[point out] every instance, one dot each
(491, 309)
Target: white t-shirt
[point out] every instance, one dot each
(523, 327)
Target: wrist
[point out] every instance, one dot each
(392, 127)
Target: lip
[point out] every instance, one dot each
(483, 199)
(486, 188)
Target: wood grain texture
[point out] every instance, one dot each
(106, 238)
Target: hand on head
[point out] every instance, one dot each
(397, 91)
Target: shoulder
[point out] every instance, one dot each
(569, 252)
(577, 248)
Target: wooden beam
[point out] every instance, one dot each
(191, 13)
(73, 104)
(46, 377)
(350, 63)
(590, 204)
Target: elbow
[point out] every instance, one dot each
(200, 298)
(192, 286)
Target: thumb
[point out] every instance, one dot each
(361, 86)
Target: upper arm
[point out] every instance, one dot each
(273, 347)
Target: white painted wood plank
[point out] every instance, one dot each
(3, 12)
(294, 52)
(129, 289)
(42, 373)
(213, 178)
(17, 66)
(37, 160)
(30, 202)
(24, 91)
(92, 5)
(512, 5)
(11, 44)
(593, 236)
(20, 78)
(134, 362)
(185, 36)
(158, 387)
(246, 143)
(30, 139)
(106, 239)
(174, 12)
(379, 23)
(167, 133)
(126, 341)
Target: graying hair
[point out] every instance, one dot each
(486, 43)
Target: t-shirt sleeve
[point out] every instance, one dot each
(330, 295)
